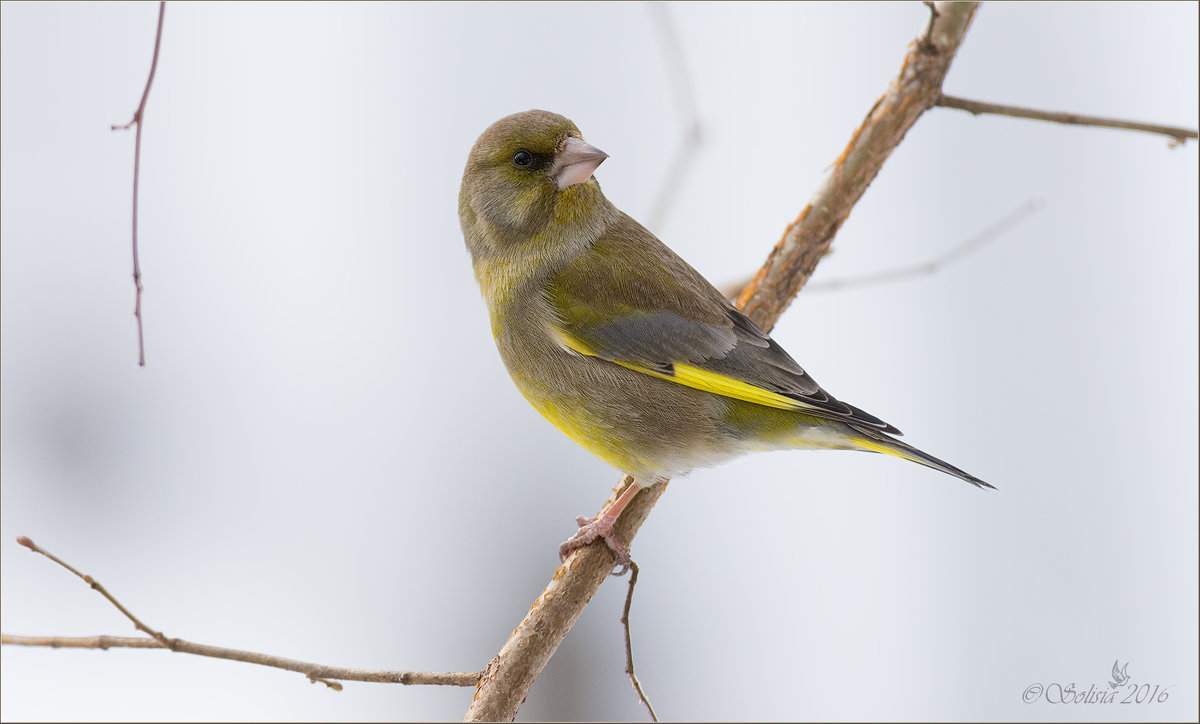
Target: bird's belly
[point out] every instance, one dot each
(638, 424)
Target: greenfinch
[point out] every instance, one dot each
(619, 342)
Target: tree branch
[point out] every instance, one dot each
(137, 165)
(509, 675)
(315, 672)
(1178, 135)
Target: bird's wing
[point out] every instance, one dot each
(652, 313)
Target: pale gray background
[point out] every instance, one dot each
(325, 459)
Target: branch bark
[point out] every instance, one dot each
(509, 675)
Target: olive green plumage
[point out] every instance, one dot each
(617, 340)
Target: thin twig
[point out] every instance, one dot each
(1176, 134)
(328, 675)
(138, 115)
(317, 673)
(957, 252)
(633, 679)
(96, 586)
(684, 95)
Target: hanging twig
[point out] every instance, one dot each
(138, 115)
(633, 679)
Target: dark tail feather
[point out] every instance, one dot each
(875, 442)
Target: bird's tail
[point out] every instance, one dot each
(875, 441)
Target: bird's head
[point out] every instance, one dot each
(525, 172)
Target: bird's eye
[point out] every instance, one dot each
(522, 158)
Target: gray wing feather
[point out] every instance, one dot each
(739, 350)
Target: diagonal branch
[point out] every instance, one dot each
(509, 675)
(1176, 134)
(137, 165)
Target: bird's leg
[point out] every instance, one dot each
(602, 527)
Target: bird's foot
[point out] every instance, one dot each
(602, 527)
(589, 530)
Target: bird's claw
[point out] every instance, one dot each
(589, 530)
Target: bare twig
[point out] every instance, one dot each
(157, 635)
(317, 673)
(955, 253)
(1178, 135)
(138, 115)
(685, 106)
(328, 675)
(633, 679)
(958, 252)
(509, 675)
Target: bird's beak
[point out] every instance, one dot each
(576, 162)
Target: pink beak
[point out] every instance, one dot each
(576, 162)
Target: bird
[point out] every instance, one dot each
(619, 342)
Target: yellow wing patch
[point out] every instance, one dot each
(699, 379)
(719, 384)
